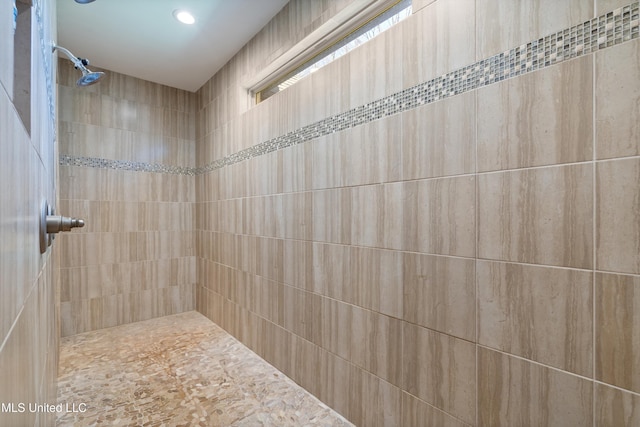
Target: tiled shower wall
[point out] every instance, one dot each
(127, 147)
(28, 309)
(462, 253)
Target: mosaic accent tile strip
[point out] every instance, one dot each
(93, 162)
(599, 33)
(596, 34)
(47, 59)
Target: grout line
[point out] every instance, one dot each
(594, 227)
(535, 362)
(434, 178)
(477, 233)
(553, 368)
(559, 267)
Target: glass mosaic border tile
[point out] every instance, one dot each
(599, 33)
(123, 165)
(47, 59)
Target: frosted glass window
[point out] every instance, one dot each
(366, 32)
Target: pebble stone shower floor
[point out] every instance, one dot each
(180, 370)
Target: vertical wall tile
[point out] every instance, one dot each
(437, 39)
(377, 215)
(372, 152)
(604, 6)
(332, 271)
(618, 215)
(539, 313)
(383, 347)
(516, 392)
(618, 330)
(615, 407)
(541, 216)
(381, 402)
(439, 216)
(441, 370)
(419, 4)
(416, 413)
(439, 293)
(438, 139)
(502, 26)
(376, 68)
(81, 107)
(537, 119)
(618, 101)
(332, 215)
(335, 387)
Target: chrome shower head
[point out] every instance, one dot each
(88, 77)
(84, 1)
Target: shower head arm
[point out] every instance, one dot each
(76, 61)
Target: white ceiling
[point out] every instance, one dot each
(141, 38)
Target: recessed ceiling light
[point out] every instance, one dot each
(184, 16)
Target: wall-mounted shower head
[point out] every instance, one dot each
(88, 77)
(84, 1)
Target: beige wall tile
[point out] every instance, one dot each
(380, 402)
(618, 330)
(332, 271)
(372, 401)
(298, 214)
(376, 67)
(604, 6)
(441, 370)
(416, 413)
(120, 85)
(298, 265)
(337, 329)
(419, 4)
(377, 280)
(618, 101)
(334, 83)
(82, 107)
(614, 407)
(371, 153)
(334, 388)
(504, 25)
(439, 216)
(118, 113)
(513, 391)
(540, 118)
(437, 39)
(332, 216)
(541, 216)
(618, 216)
(439, 139)
(539, 313)
(298, 168)
(439, 293)
(19, 368)
(382, 347)
(377, 215)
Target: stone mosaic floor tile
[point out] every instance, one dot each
(180, 370)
